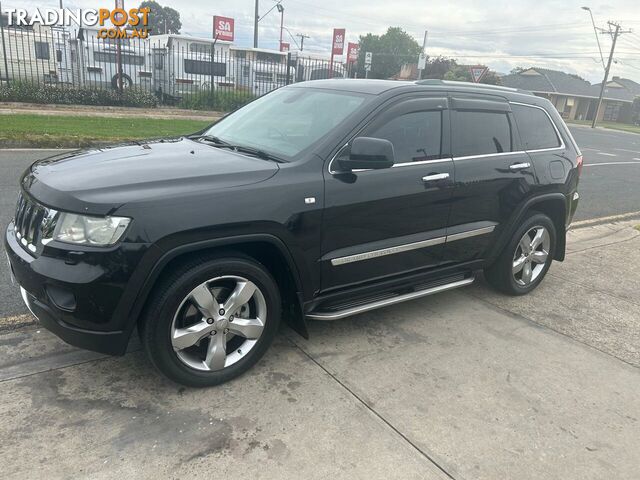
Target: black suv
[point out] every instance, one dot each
(317, 201)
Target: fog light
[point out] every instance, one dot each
(61, 298)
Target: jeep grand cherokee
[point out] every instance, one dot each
(317, 201)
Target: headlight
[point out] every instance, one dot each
(85, 230)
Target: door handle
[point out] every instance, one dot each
(435, 177)
(519, 166)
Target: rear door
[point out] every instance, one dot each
(493, 174)
(380, 223)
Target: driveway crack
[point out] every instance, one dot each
(373, 411)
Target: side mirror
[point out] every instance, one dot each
(368, 154)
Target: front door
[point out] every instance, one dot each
(381, 223)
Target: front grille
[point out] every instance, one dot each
(28, 222)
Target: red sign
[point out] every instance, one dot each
(285, 47)
(338, 41)
(477, 72)
(223, 28)
(353, 50)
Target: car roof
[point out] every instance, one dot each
(378, 87)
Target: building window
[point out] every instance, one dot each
(611, 112)
(200, 67)
(42, 50)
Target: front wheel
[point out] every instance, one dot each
(527, 257)
(211, 321)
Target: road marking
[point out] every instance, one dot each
(609, 219)
(610, 163)
(625, 150)
(607, 154)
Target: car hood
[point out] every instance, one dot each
(100, 181)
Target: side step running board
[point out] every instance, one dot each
(387, 301)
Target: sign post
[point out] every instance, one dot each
(477, 72)
(337, 46)
(118, 17)
(353, 51)
(368, 60)
(285, 46)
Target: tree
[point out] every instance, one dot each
(162, 19)
(437, 67)
(390, 51)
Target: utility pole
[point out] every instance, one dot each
(302, 37)
(255, 25)
(615, 34)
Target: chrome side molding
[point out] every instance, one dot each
(358, 257)
(328, 316)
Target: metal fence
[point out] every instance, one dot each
(178, 70)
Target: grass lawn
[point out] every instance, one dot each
(68, 131)
(625, 127)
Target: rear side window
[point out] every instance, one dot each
(416, 136)
(481, 133)
(536, 130)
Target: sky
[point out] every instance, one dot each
(502, 34)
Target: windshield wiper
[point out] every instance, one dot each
(209, 138)
(255, 151)
(238, 148)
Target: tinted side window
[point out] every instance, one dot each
(415, 136)
(535, 127)
(481, 133)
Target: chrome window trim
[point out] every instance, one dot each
(358, 257)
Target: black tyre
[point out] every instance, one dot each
(126, 82)
(527, 257)
(211, 320)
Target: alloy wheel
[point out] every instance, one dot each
(531, 256)
(218, 323)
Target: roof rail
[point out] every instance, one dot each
(435, 81)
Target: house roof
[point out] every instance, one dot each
(542, 80)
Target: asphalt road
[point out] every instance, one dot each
(609, 186)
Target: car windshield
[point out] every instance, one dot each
(287, 121)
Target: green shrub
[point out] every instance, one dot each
(216, 100)
(56, 94)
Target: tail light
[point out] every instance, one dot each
(579, 164)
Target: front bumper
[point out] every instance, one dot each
(110, 343)
(80, 298)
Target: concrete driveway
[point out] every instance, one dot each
(466, 385)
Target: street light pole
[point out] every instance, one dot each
(281, 10)
(255, 25)
(595, 30)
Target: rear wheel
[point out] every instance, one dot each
(212, 321)
(527, 257)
